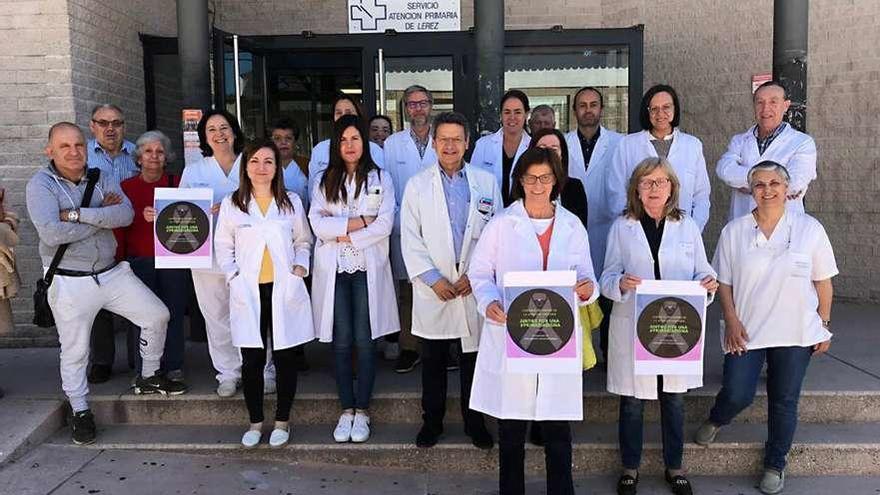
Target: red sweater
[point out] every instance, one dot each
(136, 240)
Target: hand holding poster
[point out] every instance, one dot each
(670, 325)
(543, 331)
(183, 228)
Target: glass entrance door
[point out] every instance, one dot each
(434, 73)
(262, 84)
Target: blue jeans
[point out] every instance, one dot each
(351, 329)
(630, 425)
(786, 367)
(171, 286)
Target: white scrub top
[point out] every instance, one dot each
(772, 279)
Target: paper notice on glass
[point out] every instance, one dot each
(183, 227)
(669, 327)
(192, 153)
(543, 331)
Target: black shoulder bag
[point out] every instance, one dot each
(42, 312)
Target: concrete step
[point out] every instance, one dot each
(26, 334)
(405, 408)
(819, 450)
(69, 470)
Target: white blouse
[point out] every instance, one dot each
(349, 258)
(772, 279)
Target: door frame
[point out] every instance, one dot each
(458, 44)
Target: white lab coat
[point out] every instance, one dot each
(329, 221)
(402, 161)
(686, 157)
(682, 257)
(240, 242)
(793, 149)
(488, 153)
(320, 159)
(509, 244)
(427, 244)
(208, 174)
(600, 216)
(295, 180)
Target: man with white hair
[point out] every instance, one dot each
(769, 139)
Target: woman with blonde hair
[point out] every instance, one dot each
(652, 240)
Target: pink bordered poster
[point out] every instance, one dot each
(543, 331)
(183, 227)
(669, 327)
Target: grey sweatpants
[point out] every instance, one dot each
(76, 300)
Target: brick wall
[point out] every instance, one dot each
(107, 54)
(842, 108)
(68, 56)
(35, 91)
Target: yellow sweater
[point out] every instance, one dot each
(267, 271)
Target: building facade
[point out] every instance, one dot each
(61, 57)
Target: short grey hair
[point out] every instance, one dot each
(107, 106)
(417, 88)
(769, 166)
(151, 137)
(544, 109)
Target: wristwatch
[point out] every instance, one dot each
(826, 324)
(73, 216)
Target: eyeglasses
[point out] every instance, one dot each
(648, 184)
(773, 184)
(530, 180)
(103, 124)
(667, 109)
(412, 105)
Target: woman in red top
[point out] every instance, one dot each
(135, 243)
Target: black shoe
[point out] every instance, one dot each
(678, 484)
(407, 361)
(428, 436)
(627, 485)
(536, 436)
(158, 384)
(480, 437)
(99, 373)
(82, 427)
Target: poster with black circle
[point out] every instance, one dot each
(183, 228)
(543, 330)
(669, 327)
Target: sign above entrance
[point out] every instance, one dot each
(376, 16)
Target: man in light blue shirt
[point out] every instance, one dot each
(109, 150)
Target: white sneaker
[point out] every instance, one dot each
(269, 386)
(227, 388)
(279, 437)
(391, 351)
(360, 429)
(342, 433)
(251, 439)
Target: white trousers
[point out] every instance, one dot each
(75, 301)
(212, 292)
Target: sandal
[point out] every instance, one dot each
(678, 484)
(627, 485)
